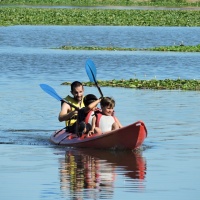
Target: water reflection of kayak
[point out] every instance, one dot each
(132, 162)
(98, 169)
(128, 137)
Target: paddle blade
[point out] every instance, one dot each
(49, 90)
(91, 70)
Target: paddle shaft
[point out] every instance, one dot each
(70, 104)
(96, 84)
(60, 131)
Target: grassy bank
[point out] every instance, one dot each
(167, 84)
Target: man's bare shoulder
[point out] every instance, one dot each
(66, 106)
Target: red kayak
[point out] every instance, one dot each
(128, 137)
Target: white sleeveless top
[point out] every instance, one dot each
(106, 122)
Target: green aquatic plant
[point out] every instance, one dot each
(101, 2)
(166, 84)
(109, 48)
(104, 17)
(180, 48)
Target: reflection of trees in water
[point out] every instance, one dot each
(92, 175)
(80, 172)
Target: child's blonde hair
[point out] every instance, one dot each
(108, 102)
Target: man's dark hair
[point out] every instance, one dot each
(75, 84)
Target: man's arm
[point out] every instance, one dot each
(66, 113)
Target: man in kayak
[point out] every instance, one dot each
(69, 113)
(104, 120)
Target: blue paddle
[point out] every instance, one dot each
(91, 72)
(49, 90)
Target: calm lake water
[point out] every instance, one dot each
(32, 168)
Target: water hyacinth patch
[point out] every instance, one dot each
(110, 48)
(48, 16)
(103, 2)
(180, 48)
(166, 84)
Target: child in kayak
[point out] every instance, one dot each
(104, 120)
(86, 113)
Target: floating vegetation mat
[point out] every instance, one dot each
(99, 17)
(166, 84)
(177, 48)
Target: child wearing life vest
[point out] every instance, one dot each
(104, 120)
(86, 113)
